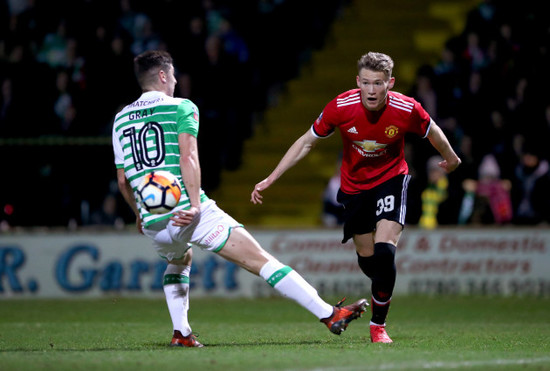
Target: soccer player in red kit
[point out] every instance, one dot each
(372, 121)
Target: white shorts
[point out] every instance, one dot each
(209, 231)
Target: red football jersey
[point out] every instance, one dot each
(373, 142)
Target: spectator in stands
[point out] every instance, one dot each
(423, 90)
(233, 44)
(147, 39)
(474, 54)
(63, 99)
(434, 193)
(131, 21)
(447, 80)
(531, 198)
(487, 200)
(108, 214)
(8, 108)
(195, 37)
(332, 214)
(53, 50)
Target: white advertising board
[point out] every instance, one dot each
(445, 261)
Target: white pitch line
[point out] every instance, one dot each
(446, 365)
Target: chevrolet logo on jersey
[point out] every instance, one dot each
(369, 145)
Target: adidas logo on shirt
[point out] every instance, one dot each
(353, 130)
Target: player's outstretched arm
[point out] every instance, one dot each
(440, 142)
(295, 153)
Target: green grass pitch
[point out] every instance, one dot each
(464, 333)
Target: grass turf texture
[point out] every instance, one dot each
(470, 333)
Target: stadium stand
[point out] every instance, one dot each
(479, 67)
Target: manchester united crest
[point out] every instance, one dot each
(391, 131)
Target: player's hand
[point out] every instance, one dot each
(256, 197)
(450, 166)
(183, 218)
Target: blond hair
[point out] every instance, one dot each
(378, 62)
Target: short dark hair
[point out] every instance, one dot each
(378, 62)
(148, 63)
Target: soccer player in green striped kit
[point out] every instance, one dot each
(159, 132)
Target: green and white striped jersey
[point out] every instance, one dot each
(145, 138)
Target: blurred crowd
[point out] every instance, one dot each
(489, 93)
(65, 72)
(66, 69)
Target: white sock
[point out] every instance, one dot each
(176, 289)
(290, 284)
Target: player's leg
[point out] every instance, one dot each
(392, 201)
(219, 232)
(391, 211)
(176, 290)
(376, 250)
(377, 261)
(242, 249)
(176, 284)
(360, 224)
(386, 238)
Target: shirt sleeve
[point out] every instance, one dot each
(117, 149)
(325, 124)
(421, 120)
(188, 118)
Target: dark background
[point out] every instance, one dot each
(66, 69)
